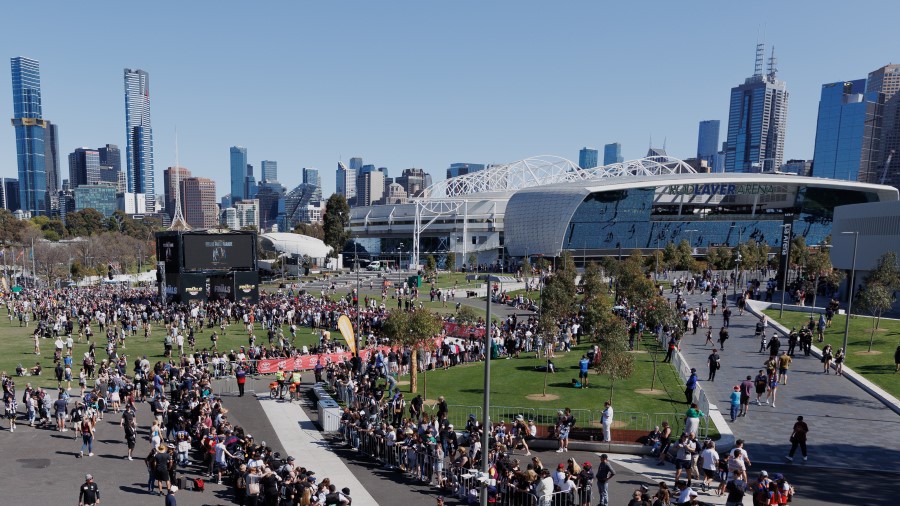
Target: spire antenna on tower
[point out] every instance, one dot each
(178, 221)
(760, 56)
(773, 65)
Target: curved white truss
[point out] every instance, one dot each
(545, 170)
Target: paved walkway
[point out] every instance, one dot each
(848, 427)
(300, 437)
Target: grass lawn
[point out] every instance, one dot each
(877, 367)
(18, 348)
(514, 383)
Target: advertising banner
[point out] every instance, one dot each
(458, 330)
(218, 251)
(168, 250)
(308, 362)
(246, 286)
(193, 287)
(221, 288)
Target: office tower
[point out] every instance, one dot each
(51, 157)
(84, 167)
(311, 177)
(345, 180)
(843, 150)
(268, 194)
(99, 197)
(356, 163)
(369, 188)
(461, 169)
(269, 170)
(238, 172)
(139, 136)
(111, 156)
(799, 167)
(246, 214)
(708, 141)
(757, 118)
(413, 181)
(612, 153)
(172, 176)
(199, 202)
(588, 158)
(249, 183)
(9, 190)
(31, 134)
(886, 82)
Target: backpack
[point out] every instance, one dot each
(199, 485)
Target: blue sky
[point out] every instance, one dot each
(425, 84)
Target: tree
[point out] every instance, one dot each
(451, 261)
(473, 261)
(886, 274)
(467, 315)
(669, 257)
(85, 222)
(592, 282)
(615, 360)
(415, 330)
(310, 229)
(632, 281)
(718, 258)
(685, 257)
(430, 264)
(818, 264)
(10, 228)
(51, 259)
(875, 299)
(799, 253)
(335, 223)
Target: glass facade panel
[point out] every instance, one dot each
(705, 215)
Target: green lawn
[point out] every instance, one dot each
(877, 367)
(513, 380)
(18, 347)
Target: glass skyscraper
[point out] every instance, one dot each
(886, 82)
(238, 172)
(345, 182)
(312, 178)
(269, 170)
(757, 117)
(843, 150)
(708, 141)
(612, 153)
(31, 131)
(139, 136)
(587, 158)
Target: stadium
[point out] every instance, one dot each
(546, 205)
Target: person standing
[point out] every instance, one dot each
(714, 362)
(87, 436)
(606, 418)
(735, 402)
(170, 497)
(798, 438)
(746, 390)
(89, 493)
(583, 371)
(129, 423)
(784, 363)
(726, 317)
(605, 472)
(241, 376)
(689, 387)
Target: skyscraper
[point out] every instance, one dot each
(249, 183)
(757, 118)
(311, 177)
(51, 157)
(269, 170)
(173, 176)
(369, 187)
(84, 167)
(708, 141)
(139, 136)
(31, 132)
(886, 82)
(9, 190)
(588, 158)
(414, 181)
(842, 149)
(612, 153)
(111, 156)
(356, 163)
(345, 181)
(199, 202)
(238, 172)
(461, 169)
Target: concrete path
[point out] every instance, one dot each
(848, 428)
(300, 437)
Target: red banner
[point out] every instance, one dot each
(308, 362)
(457, 330)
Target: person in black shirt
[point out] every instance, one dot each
(89, 493)
(130, 425)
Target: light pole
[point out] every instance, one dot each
(656, 256)
(691, 240)
(485, 423)
(850, 293)
(399, 272)
(737, 261)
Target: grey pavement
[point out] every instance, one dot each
(848, 428)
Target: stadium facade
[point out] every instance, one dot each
(545, 205)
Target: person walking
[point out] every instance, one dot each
(689, 387)
(798, 438)
(784, 363)
(87, 436)
(723, 336)
(714, 363)
(170, 497)
(89, 493)
(839, 362)
(827, 357)
(605, 472)
(606, 418)
(746, 390)
(761, 382)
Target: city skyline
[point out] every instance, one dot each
(323, 124)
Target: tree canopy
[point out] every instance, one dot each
(335, 223)
(413, 329)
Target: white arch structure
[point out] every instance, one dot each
(449, 196)
(546, 170)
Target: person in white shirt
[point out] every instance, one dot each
(544, 489)
(560, 475)
(606, 418)
(709, 463)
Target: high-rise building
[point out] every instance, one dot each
(356, 163)
(268, 194)
(51, 157)
(311, 177)
(9, 193)
(269, 170)
(612, 153)
(369, 188)
(345, 182)
(111, 156)
(199, 197)
(139, 136)
(588, 158)
(461, 169)
(708, 142)
(173, 176)
(249, 183)
(845, 144)
(757, 118)
(413, 181)
(96, 196)
(84, 167)
(886, 82)
(799, 167)
(238, 172)
(31, 135)
(246, 214)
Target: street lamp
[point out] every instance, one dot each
(399, 260)
(852, 281)
(738, 259)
